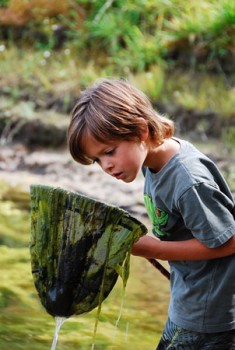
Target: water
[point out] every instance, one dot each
(59, 322)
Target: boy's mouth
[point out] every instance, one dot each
(118, 175)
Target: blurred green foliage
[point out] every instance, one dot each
(4, 3)
(131, 35)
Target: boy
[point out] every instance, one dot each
(187, 199)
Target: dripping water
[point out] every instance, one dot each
(124, 273)
(120, 314)
(59, 321)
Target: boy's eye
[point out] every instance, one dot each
(110, 151)
(107, 152)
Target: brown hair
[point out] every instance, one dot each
(111, 110)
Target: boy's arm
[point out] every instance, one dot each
(150, 247)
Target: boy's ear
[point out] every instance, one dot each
(144, 132)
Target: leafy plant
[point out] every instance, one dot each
(4, 3)
(132, 35)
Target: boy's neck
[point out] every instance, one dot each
(159, 155)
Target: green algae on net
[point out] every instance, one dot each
(78, 248)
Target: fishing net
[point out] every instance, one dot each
(78, 248)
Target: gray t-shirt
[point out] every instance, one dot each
(189, 198)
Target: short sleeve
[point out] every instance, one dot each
(207, 213)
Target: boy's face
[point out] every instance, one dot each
(121, 159)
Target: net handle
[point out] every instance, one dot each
(160, 268)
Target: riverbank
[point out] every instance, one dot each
(21, 167)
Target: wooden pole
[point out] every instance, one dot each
(160, 268)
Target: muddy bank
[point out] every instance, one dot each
(21, 167)
(41, 119)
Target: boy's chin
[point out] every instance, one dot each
(129, 179)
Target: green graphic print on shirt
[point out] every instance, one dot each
(157, 216)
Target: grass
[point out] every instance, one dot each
(64, 76)
(123, 35)
(140, 49)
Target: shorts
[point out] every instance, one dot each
(177, 338)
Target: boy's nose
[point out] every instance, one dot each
(107, 166)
